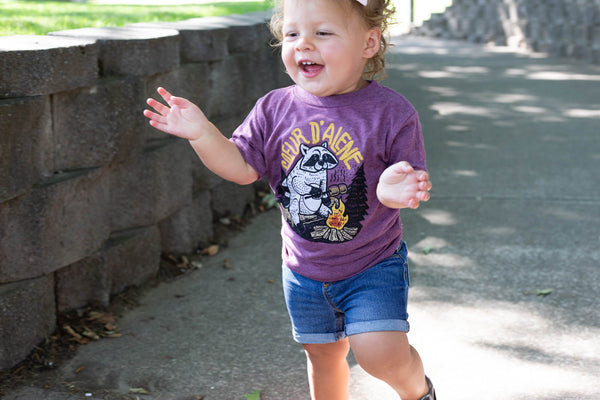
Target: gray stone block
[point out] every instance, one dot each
(227, 89)
(228, 198)
(201, 39)
(183, 231)
(37, 65)
(25, 126)
(133, 257)
(97, 125)
(151, 186)
(247, 33)
(53, 225)
(27, 312)
(203, 178)
(132, 51)
(84, 282)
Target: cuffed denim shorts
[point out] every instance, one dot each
(373, 300)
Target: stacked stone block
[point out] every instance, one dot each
(564, 28)
(90, 195)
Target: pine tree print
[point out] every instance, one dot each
(356, 202)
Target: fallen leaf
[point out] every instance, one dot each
(426, 249)
(72, 332)
(541, 292)
(253, 396)
(210, 250)
(90, 334)
(112, 335)
(227, 264)
(138, 391)
(78, 370)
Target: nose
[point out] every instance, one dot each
(303, 43)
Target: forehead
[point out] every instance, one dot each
(327, 10)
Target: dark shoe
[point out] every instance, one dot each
(431, 393)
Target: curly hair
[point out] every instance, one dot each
(376, 14)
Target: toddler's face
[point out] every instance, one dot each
(324, 46)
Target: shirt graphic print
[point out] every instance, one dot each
(323, 188)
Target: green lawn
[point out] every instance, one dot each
(25, 17)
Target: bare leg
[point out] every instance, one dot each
(388, 356)
(328, 370)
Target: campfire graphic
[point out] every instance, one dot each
(336, 219)
(335, 229)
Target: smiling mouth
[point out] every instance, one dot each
(309, 68)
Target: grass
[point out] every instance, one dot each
(25, 17)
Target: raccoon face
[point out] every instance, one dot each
(317, 158)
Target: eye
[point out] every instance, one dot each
(323, 33)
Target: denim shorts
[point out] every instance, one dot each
(373, 300)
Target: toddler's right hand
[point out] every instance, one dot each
(181, 118)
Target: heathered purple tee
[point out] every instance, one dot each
(323, 157)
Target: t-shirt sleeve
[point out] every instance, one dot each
(249, 138)
(407, 144)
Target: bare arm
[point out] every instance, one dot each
(184, 119)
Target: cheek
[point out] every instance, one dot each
(287, 56)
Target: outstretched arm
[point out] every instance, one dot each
(400, 186)
(182, 118)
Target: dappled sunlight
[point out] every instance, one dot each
(467, 70)
(509, 98)
(530, 109)
(478, 146)
(582, 113)
(436, 74)
(440, 259)
(562, 76)
(451, 108)
(402, 67)
(554, 73)
(443, 91)
(520, 347)
(438, 217)
(465, 172)
(458, 128)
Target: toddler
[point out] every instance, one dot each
(342, 154)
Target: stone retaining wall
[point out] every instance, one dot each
(90, 194)
(566, 28)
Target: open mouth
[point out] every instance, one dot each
(310, 68)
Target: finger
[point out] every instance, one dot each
(413, 203)
(154, 116)
(422, 175)
(403, 167)
(425, 185)
(158, 106)
(168, 97)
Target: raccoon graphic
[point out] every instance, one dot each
(307, 182)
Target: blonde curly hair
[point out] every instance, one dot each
(376, 14)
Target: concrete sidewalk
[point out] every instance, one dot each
(513, 145)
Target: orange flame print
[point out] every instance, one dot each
(336, 219)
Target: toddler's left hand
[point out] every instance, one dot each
(400, 186)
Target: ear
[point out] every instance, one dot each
(373, 42)
(303, 148)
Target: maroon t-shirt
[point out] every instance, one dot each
(323, 157)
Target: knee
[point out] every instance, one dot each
(329, 351)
